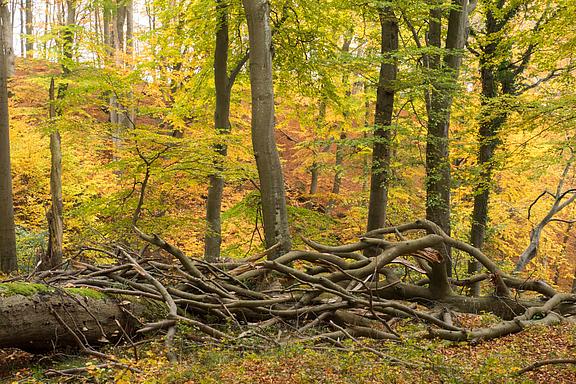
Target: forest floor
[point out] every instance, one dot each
(496, 361)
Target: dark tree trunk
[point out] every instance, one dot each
(53, 256)
(490, 123)
(29, 29)
(439, 104)
(495, 81)
(380, 175)
(273, 196)
(129, 27)
(338, 167)
(106, 18)
(213, 237)
(8, 261)
(119, 21)
(315, 167)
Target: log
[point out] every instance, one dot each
(32, 317)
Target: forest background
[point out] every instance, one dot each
(135, 103)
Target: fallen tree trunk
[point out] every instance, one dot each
(44, 318)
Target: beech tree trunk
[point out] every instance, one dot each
(490, 121)
(29, 28)
(338, 168)
(33, 323)
(53, 256)
(381, 152)
(273, 196)
(106, 17)
(8, 261)
(213, 237)
(129, 27)
(68, 37)
(438, 105)
(7, 37)
(22, 29)
(315, 167)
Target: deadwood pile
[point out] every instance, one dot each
(327, 294)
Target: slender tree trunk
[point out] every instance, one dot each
(29, 28)
(341, 142)
(439, 104)
(366, 171)
(381, 152)
(213, 237)
(22, 25)
(338, 164)
(8, 261)
(315, 167)
(46, 23)
(130, 28)
(273, 196)
(68, 37)
(53, 256)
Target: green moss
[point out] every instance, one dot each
(29, 289)
(86, 292)
(24, 289)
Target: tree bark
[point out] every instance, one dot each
(130, 27)
(438, 105)
(381, 151)
(53, 256)
(106, 17)
(33, 323)
(7, 38)
(315, 167)
(273, 196)
(68, 37)
(495, 81)
(338, 168)
(29, 28)
(22, 29)
(8, 261)
(213, 238)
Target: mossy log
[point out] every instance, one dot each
(36, 317)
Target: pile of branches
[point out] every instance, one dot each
(329, 293)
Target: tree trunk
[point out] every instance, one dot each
(119, 20)
(46, 24)
(439, 104)
(53, 256)
(490, 121)
(315, 167)
(68, 37)
(273, 196)
(213, 237)
(130, 27)
(34, 322)
(381, 152)
(22, 30)
(8, 261)
(8, 39)
(106, 28)
(29, 29)
(338, 168)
